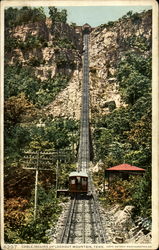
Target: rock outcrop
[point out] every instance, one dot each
(107, 47)
(57, 49)
(121, 228)
(68, 102)
(49, 48)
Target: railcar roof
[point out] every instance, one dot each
(80, 173)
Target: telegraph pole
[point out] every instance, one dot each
(36, 186)
(31, 156)
(38, 161)
(57, 175)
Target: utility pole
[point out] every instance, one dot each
(57, 175)
(38, 161)
(36, 186)
(30, 158)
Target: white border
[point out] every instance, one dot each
(155, 119)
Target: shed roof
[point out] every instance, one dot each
(125, 167)
(86, 25)
(80, 173)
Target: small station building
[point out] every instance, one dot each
(123, 171)
(86, 29)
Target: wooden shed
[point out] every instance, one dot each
(123, 171)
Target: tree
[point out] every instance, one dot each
(53, 13)
(10, 16)
(18, 109)
(20, 79)
(58, 16)
(14, 16)
(134, 77)
(63, 16)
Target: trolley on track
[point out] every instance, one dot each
(78, 182)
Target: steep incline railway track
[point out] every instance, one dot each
(83, 221)
(84, 147)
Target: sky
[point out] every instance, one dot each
(97, 15)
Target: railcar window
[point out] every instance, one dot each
(78, 179)
(84, 181)
(73, 181)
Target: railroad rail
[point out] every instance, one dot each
(84, 146)
(83, 221)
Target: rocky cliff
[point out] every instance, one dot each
(53, 49)
(49, 48)
(108, 46)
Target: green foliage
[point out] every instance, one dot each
(24, 15)
(56, 135)
(11, 43)
(49, 89)
(129, 127)
(63, 60)
(136, 191)
(30, 231)
(134, 77)
(134, 17)
(64, 43)
(21, 79)
(141, 194)
(102, 141)
(18, 109)
(16, 138)
(30, 42)
(140, 42)
(58, 16)
(110, 24)
(51, 136)
(124, 135)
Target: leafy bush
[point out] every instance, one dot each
(124, 135)
(136, 191)
(140, 43)
(28, 230)
(134, 77)
(24, 15)
(119, 191)
(58, 16)
(65, 43)
(22, 79)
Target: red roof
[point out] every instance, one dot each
(125, 167)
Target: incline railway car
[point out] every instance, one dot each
(78, 182)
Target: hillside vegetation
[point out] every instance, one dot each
(27, 127)
(42, 64)
(122, 119)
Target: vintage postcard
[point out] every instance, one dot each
(79, 124)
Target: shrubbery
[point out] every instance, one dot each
(20, 227)
(22, 79)
(124, 135)
(58, 135)
(58, 16)
(14, 16)
(136, 192)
